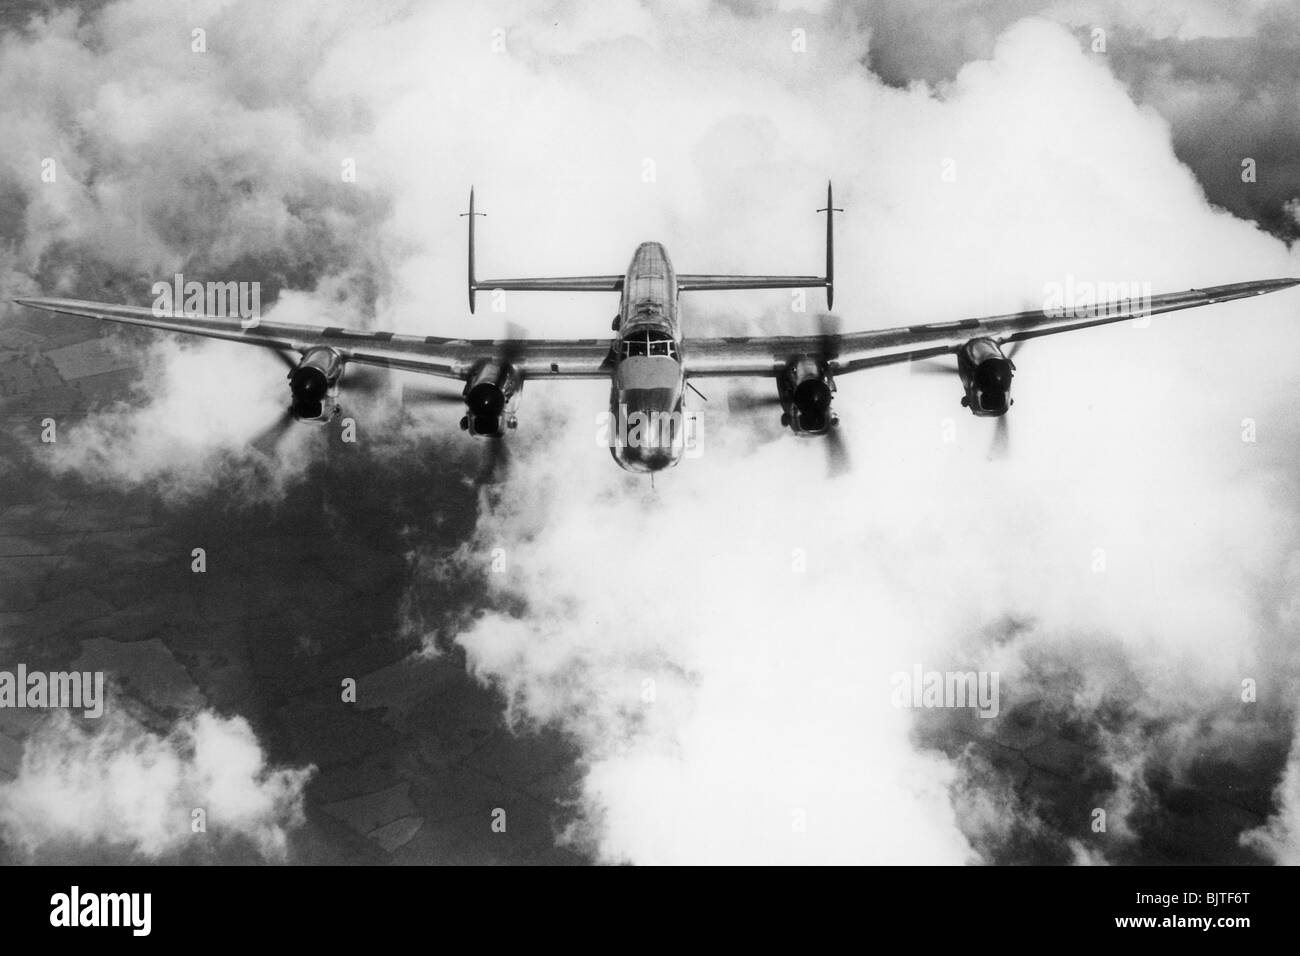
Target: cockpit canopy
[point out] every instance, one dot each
(649, 342)
(650, 289)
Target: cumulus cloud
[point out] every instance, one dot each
(115, 782)
(141, 158)
(190, 432)
(1279, 839)
(1224, 77)
(732, 708)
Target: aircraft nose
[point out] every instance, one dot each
(644, 460)
(650, 429)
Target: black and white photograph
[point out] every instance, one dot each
(781, 433)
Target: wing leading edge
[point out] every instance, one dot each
(770, 355)
(431, 355)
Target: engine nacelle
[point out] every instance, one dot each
(490, 400)
(313, 383)
(806, 392)
(986, 375)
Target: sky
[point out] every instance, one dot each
(718, 650)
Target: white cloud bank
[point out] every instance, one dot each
(114, 782)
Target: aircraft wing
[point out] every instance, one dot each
(703, 357)
(443, 357)
(770, 355)
(712, 283)
(559, 284)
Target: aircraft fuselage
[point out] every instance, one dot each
(646, 399)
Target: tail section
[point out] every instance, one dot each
(830, 211)
(685, 283)
(473, 285)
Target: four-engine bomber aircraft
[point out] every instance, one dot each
(649, 361)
